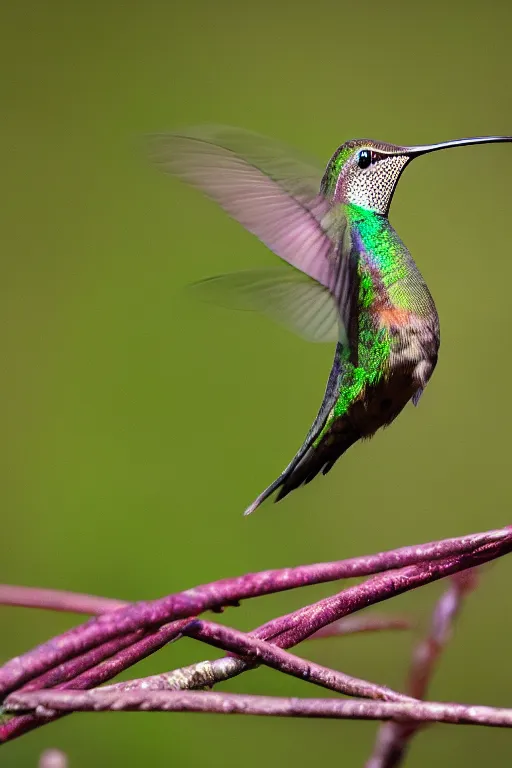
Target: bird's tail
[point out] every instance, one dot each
(309, 462)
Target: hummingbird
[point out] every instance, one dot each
(348, 278)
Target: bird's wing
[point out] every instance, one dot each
(272, 193)
(286, 295)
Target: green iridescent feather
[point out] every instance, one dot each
(382, 264)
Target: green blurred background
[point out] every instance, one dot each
(138, 425)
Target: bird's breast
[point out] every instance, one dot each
(393, 318)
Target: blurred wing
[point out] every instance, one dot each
(287, 296)
(270, 191)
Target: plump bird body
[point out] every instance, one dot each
(349, 278)
(386, 360)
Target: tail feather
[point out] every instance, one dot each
(315, 461)
(286, 481)
(282, 483)
(309, 464)
(265, 494)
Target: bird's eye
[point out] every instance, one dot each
(364, 158)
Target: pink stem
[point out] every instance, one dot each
(57, 600)
(479, 548)
(99, 674)
(243, 704)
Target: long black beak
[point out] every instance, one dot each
(422, 149)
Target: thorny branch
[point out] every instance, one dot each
(62, 675)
